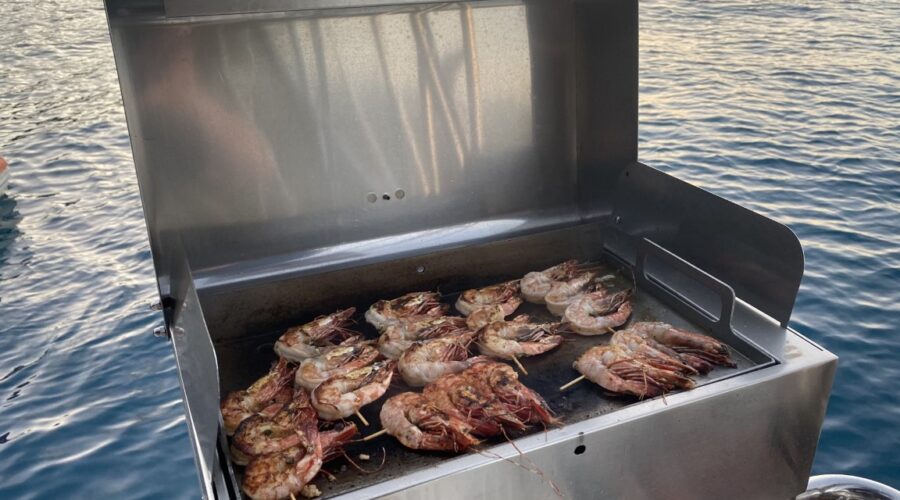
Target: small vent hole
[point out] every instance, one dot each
(386, 197)
(579, 449)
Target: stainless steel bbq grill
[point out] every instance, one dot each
(297, 156)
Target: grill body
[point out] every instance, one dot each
(298, 156)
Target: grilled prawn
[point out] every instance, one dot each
(400, 335)
(273, 389)
(461, 397)
(484, 316)
(261, 435)
(501, 380)
(285, 473)
(701, 352)
(342, 396)
(564, 293)
(537, 284)
(505, 295)
(419, 424)
(596, 313)
(333, 436)
(385, 312)
(427, 360)
(652, 352)
(509, 339)
(334, 361)
(307, 340)
(619, 370)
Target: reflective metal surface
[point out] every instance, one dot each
(177, 8)
(263, 136)
(198, 370)
(759, 258)
(841, 487)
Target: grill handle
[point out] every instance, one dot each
(719, 323)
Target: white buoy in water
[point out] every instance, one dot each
(4, 175)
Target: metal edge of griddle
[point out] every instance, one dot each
(749, 351)
(809, 357)
(748, 347)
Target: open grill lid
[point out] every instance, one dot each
(321, 138)
(314, 135)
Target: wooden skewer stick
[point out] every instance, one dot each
(374, 435)
(610, 330)
(293, 497)
(570, 384)
(522, 368)
(362, 418)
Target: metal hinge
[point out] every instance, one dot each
(165, 304)
(162, 303)
(161, 331)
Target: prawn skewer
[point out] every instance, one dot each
(564, 293)
(427, 360)
(272, 389)
(537, 284)
(418, 424)
(701, 352)
(619, 370)
(400, 335)
(306, 341)
(514, 339)
(261, 435)
(386, 312)
(342, 396)
(653, 353)
(504, 295)
(503, 382)
(283, 474)
(596, 313)
(334, 361)
(461, 397)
